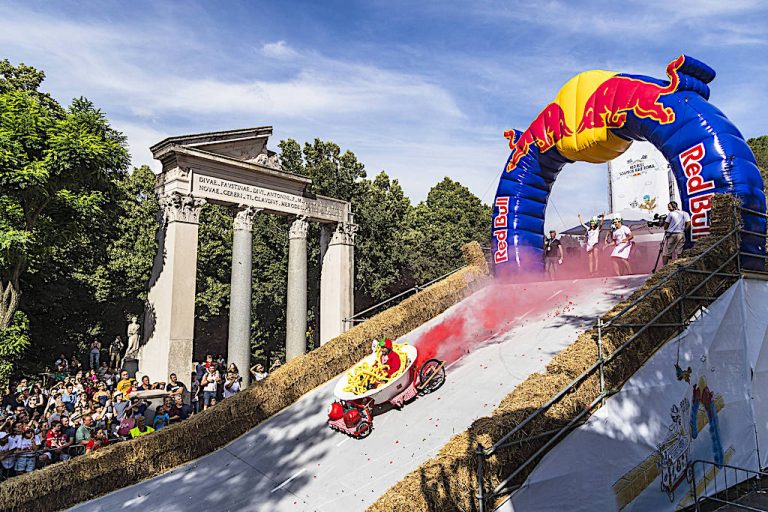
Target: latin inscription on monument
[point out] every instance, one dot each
(251, 195)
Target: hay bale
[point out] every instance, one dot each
(67, 483)
(448, 481)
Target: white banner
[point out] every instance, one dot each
(693, 400)
(639, 182)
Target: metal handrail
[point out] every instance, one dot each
(484, 453)
(717, 469)
(419, 287)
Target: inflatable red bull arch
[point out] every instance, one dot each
(594, 118)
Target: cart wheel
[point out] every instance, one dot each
(428, 370)
(363, 429)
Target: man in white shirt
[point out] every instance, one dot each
(209, 384)
(676, 223)
(232, 384)
(7, 455)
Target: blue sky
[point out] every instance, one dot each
(422, 90)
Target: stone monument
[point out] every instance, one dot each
(235, 168)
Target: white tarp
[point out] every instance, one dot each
(634, 453)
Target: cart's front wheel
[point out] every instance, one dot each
(363, 429)
(433, 374)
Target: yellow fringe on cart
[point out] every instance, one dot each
(362, 375)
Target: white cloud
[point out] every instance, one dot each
(148, 96)
(113, 63)
(140, 138)
(278, 50)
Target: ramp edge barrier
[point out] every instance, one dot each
(684, 317)
(751, 481)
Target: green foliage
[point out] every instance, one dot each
(333, 174)
(437, 228)
(381, 263)
(270, 287)
(124, 275)
(291, 158)
(759, 147)
(58, 169)
(14, 340)
(214, 262)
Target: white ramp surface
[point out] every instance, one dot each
(294, 462)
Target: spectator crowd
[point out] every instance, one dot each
(75, 411)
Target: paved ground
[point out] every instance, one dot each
(293, 462)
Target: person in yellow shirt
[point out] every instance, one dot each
(124, 385)
(141, 429)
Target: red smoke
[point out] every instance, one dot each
(503, 305)
(490, 312)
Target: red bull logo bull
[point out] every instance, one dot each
(545, 131)
(609, 104)
(606, 107)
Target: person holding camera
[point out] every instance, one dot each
(232, 383)
(209, 383)
(675, 226)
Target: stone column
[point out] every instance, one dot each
(296, 307)
(337, 282)
(239, 341)
(169, 318)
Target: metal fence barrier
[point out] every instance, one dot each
(742, 481)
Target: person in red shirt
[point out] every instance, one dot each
(389, 357)
(57, 441)
(97, 442)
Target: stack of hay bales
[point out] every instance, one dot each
(449, 482)
(83, 478)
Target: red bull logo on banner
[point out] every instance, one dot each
(500, 230)
(699, 199)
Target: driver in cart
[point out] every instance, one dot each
(389, 359)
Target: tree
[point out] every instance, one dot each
(57, 168)
(333, 174)
(437, 228)
(214, 267)
(759, 147)
(123, 277)
(381, 265)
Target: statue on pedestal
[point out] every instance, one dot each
(133, 338)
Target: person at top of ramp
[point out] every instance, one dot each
(621, 237)
(593, 238)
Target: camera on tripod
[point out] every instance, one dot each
(658, 221)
